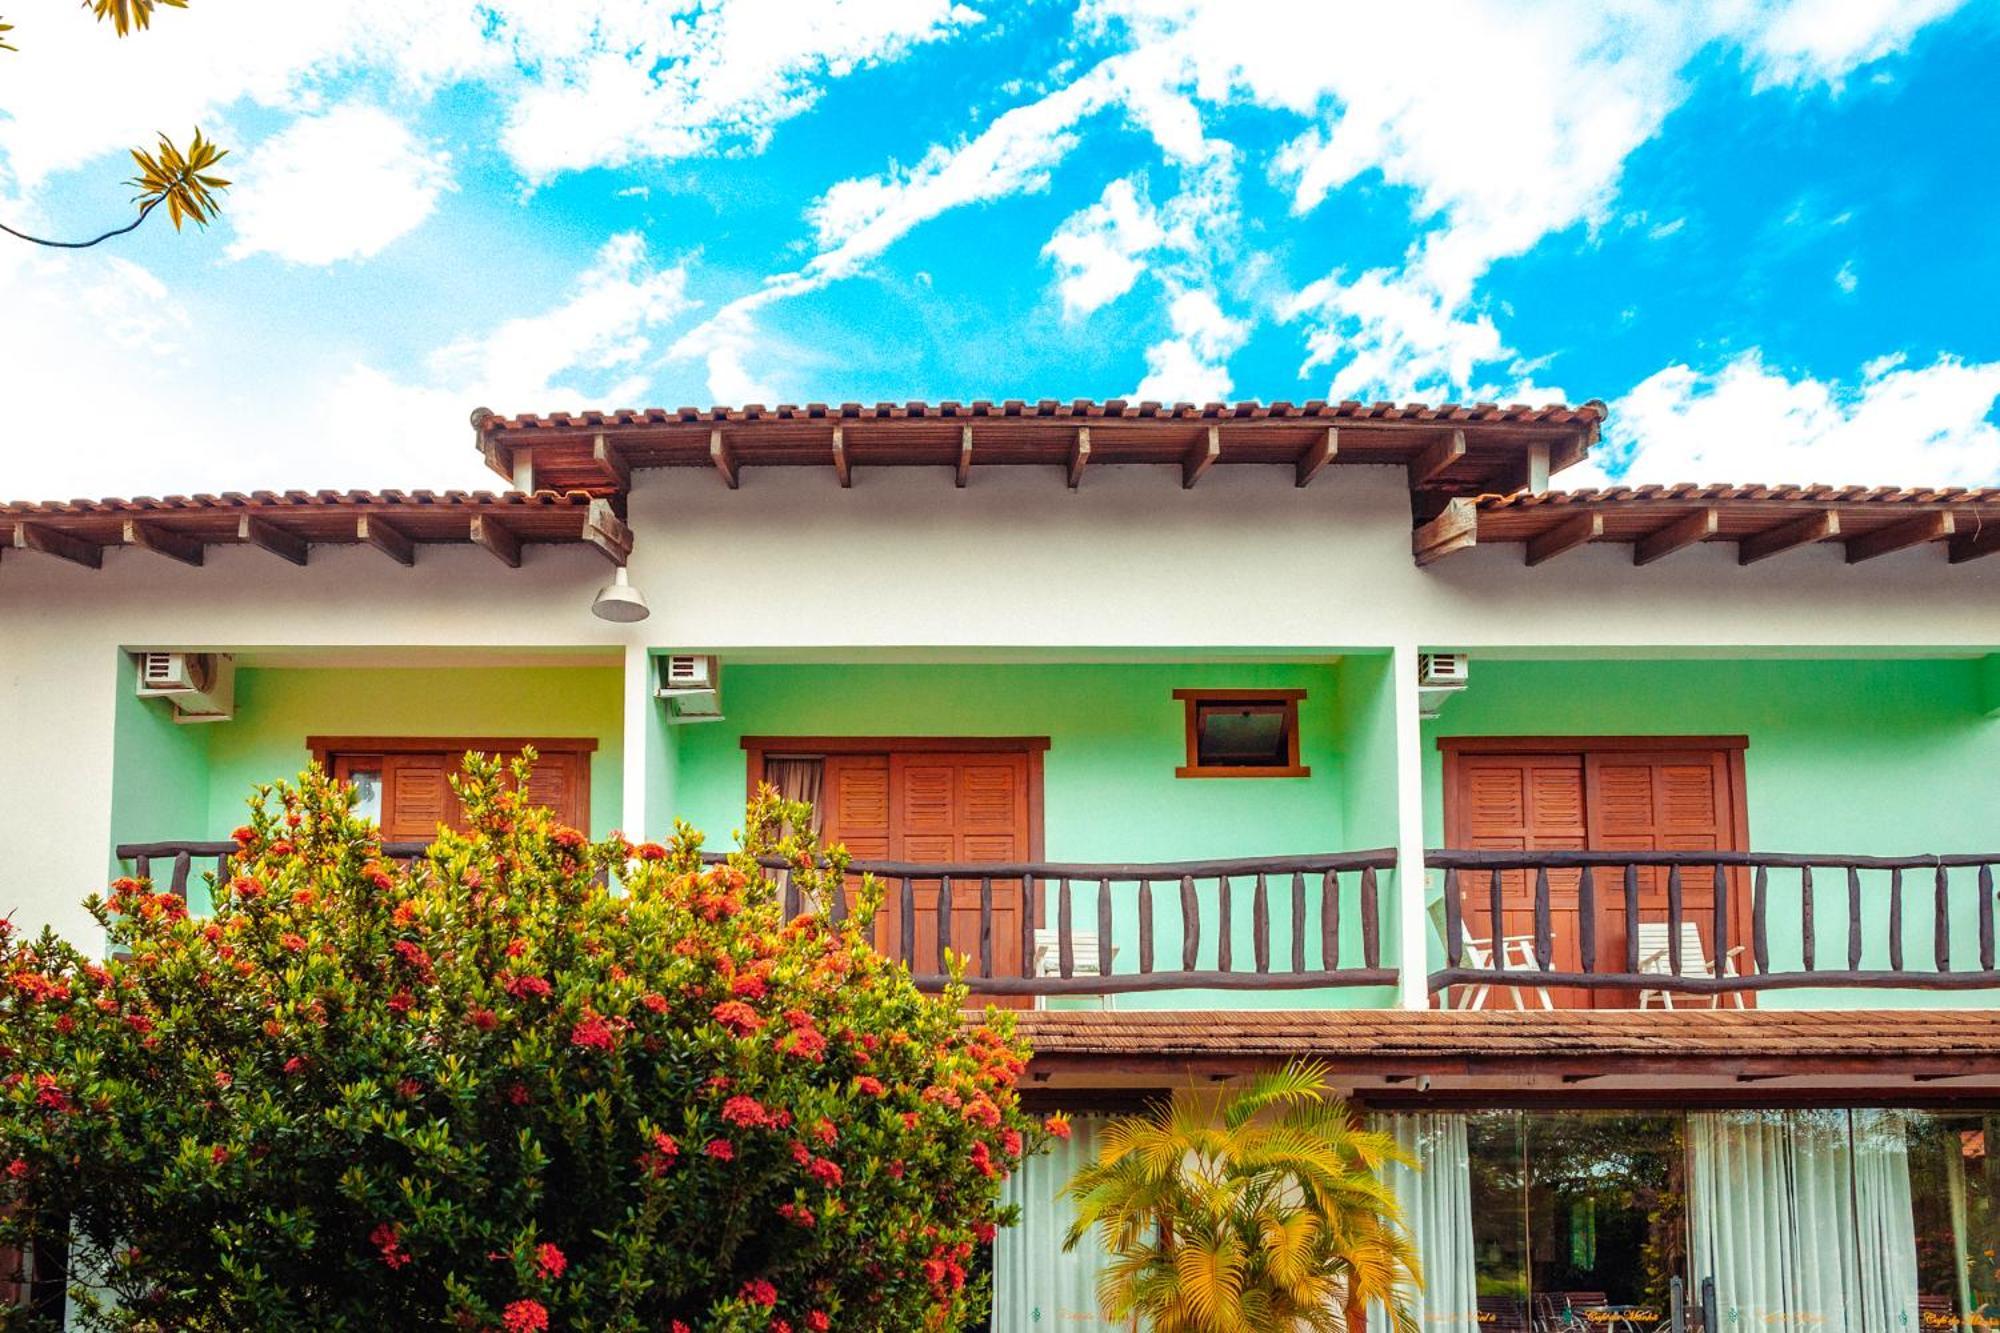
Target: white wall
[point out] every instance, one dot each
(905, 560)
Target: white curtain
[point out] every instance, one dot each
(1436, 1198)
(1884, 1219)
(1035, 1284)
(1803, 1219)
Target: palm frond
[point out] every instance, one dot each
(181, 181)
(4, 45)
(128, 16)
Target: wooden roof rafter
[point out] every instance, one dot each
(1761, 522)
(289, 524)
(1450, 451)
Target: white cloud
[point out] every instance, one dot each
(342, 185)
(621, 80)
(1800, 42)
(1097, 250)
(1896, 425)
(84, 329)
(1192, 366)
(584, 84)
(1391, 334)
(1846, 278)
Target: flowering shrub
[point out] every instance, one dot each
(490, 1091)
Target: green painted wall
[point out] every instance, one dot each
(277, 708)
(159, 770)
(1875, 757)
(1116, 735)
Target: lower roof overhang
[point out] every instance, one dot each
(1386, 1058)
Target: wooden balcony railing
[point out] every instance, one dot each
(1197, 903)
(1712, 923)
(1090, 928)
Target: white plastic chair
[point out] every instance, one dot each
(1656, 957)
(1086, 959)
(1520, 956)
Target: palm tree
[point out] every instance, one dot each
(1264, 1212)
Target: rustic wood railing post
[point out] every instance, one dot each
(1674, 920)
(1145, 925)
(1190, 924)
(1808, 919)
(1454, 925)
(1631, 917)
(1329, 920)
(1854, 918)
(1065, 936)
(1298, 921)
(1896, 919)
(910, 922)
(1544, 929)
(1986, 917)
(1941, 927)
(1225, 942)
(1031, 909)
(944, 915)
(183, 861)
(1260, 924)
(1760, 912)
(1371, 918)
(1496, 920)
(1104, 932)
(1586, 919)
(986, 925)
(1719, 949)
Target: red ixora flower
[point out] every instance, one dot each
(593, 1034)
(522, 987)
(1058, 1125)
(18, 1169)
(722, 1150)
(550, 1261)
(661, 1156)
(738, 1017)
(747, 1112)
(292, 943)
(387, 1238)
(757, 1291)
(870, 1085)
(828, 1173)
(524, 1317)
(818, 1321)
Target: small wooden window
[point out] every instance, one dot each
(1242, 734)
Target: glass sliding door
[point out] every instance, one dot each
(1955, 1202)
(1606, 1224)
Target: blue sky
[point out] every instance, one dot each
(1760, 229)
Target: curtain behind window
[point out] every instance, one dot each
(1803, 1219)
(798, 780)
(1437, 1206)
(1035, 1284)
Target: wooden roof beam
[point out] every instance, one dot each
(389, 540)
(1201, 457)
(1899, 536)
(1079, 456)
(1567, 535)
(1678, 535)
(964, 455)
(724, 458)
(1321, 452)
(1814, 527)
(611, 463)
(162, 541)
(50, 541)
(268, 536)
(1453, 530)
(1438, 459)
(606, 533)
(1975, 544)
(502, 542)
(841, 467)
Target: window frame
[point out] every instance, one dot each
(1192, 701)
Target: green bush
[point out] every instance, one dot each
(490, 1090)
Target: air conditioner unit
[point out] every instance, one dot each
(692, 688)
(1439, 676)
(200, 686)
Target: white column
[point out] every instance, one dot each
(638, 724)
(1412, 921)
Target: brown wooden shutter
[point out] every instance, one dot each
(1523, 803)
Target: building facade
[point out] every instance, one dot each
(1213, 736)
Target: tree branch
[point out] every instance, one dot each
(84, 245)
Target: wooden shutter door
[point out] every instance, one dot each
(854, 812)
(1513, 803)
(417, 796)
(960, 808)
(1659, 802)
